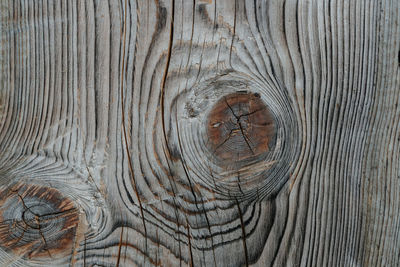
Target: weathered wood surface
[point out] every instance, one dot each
(204, 133)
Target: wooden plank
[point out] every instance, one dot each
(199, 133)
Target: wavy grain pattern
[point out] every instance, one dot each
(199, 133)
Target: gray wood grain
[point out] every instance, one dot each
(106, 156)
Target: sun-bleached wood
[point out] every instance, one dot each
(199, 133)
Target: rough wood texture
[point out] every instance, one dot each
(107, 157)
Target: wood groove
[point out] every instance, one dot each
(112, 142)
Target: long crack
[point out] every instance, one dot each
(245, 137)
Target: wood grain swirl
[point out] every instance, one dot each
(199, 133)
(37, 222)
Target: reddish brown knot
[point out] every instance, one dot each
(240, 127)
(37, 222)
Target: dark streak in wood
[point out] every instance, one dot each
(246, 257)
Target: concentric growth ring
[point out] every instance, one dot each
(37, 222)
(240, 127)
(239, 135)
